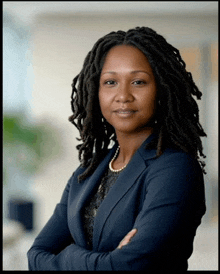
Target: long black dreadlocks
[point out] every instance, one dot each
(177, 114)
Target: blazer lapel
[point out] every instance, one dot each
(85, 189)
(124, 182)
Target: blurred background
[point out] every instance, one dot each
(44, 46)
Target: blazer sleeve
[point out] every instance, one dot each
(55, 235)
(171, 212)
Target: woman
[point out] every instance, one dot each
(137, 205)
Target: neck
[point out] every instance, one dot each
(129, 144)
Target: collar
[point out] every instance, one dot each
(148, 153)
(145, 153)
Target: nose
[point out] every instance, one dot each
(124, 94)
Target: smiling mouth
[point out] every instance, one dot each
(125, 112)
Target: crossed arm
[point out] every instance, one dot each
(166, 218)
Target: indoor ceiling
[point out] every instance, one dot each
(29, 10)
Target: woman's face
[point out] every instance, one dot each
(127, 90)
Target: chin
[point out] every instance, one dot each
(129, 130)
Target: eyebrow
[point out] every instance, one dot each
(132, 72)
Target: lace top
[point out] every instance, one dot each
(95, 201)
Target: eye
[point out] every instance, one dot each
(139, 82)
(110, 82)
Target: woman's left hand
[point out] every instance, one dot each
(127, 238)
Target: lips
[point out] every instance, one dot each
(124, 112)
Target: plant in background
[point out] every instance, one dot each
(26, 145)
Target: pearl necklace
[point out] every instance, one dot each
(110, 163)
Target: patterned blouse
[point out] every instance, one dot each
(95, 201)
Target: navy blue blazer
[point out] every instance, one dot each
(162, 197)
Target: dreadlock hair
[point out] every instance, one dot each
(177, 113)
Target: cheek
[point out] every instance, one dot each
(151, 103)
(105, 98)
(149, 106)
(103, 102)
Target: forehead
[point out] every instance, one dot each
(125, 56)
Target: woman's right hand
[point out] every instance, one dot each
(127, 238)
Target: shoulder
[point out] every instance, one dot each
(174, 176)
(169, 158)
(175, 157)
(103, 158)
(74, 177)
(174, 167)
